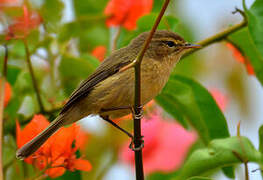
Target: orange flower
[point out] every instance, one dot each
(8, 93)
(58, 153)
(241, 58)
(23, 25)
(99, 52)
(126, 12)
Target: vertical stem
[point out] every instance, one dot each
(246, 171)
(2, 96)
(115, 39)
(137, 125)
(137, 98)
(33, 77)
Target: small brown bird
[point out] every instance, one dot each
(108, 88)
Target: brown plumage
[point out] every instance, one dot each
(108, 88)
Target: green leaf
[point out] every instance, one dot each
(196, 105)
(9, 148)
(12, 73)
(68, 31)
(229, 171)
(218, 154)
(199, 178)
(77, 67)
(89, 7)
(15, 171)
(145, 23)
(244, 42)
(255, 24)
(73, 70)
(51, 12)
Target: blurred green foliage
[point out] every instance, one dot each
(65, 48)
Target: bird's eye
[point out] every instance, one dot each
(170, 43)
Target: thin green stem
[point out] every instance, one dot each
(244, 5)
(34, 81)
(137, 101)
(217, 37)
(2, 97)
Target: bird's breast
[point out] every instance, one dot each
(118, 90)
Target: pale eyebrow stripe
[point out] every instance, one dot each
(168, 39)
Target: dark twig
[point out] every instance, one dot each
(243, 14)
(34, 81)
(2, 97)
(245, 161)
(137, 101)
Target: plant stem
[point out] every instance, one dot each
(42, 110)
(115, 39)
(217, 37)
(245, 161)
(137, 101)
(2, 97)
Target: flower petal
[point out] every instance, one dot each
(82, 165)
(126, 12)
(99, 52)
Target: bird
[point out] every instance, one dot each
(108, 89)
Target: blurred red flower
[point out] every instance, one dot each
(99, 52)
(166, 144)
(219, 97)
(241, 58)
(8, 2)
(8, 93)
(126, 12)
(58, 153)
(24, 24)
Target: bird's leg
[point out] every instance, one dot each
(106, 118)
(139, 116)
(135, 139)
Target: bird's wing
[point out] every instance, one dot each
(108, 67)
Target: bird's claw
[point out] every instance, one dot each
(132, 145)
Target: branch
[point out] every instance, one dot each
(137, 100)
(245, 161)
(218, 37)
(33, 77)
(2, 96)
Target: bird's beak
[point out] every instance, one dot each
(188, 46)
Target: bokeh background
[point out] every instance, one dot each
(214, 67)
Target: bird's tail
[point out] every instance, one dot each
(33, 145)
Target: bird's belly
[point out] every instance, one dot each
(153, 80)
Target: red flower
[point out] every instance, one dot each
(8, 2)
(166, 145)
(8, 93)
(99, 52)
(23, 25)
(58, 153)
(219, 97)
(240, 58)
(126, 12)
